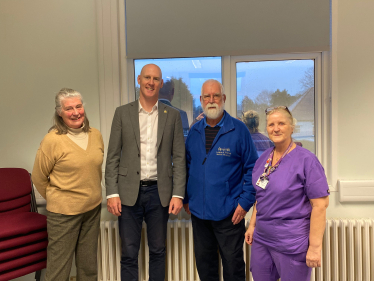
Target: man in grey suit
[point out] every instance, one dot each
(145, 173)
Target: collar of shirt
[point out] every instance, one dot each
(220, 123)
(154, 108)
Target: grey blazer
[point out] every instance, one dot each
(122, 172)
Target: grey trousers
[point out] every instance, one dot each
(69, 234)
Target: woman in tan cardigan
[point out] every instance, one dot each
(67, 173)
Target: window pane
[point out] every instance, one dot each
(264, 84)
(187, 76)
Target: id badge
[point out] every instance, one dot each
(262, 183)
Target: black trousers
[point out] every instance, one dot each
(225, 237)
(149, 208)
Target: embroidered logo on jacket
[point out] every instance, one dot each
(223, 152)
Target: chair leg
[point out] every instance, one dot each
(38, 275)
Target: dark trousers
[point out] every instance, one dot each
(225, 237)
(68, 234)
(147, 206)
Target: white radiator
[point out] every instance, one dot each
(347, 254)
(348, 251)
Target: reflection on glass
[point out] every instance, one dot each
(252, 120)
(264, 84)
(166, 96)
(183, 78)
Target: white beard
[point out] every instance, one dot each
(213, 113)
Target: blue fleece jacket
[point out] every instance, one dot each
(222, 179)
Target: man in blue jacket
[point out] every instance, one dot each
(220, 157)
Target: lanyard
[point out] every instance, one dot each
(269, 168)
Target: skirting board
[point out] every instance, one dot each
(356, 190)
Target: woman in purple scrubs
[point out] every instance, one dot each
(288, 219)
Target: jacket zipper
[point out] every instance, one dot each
(214, 142)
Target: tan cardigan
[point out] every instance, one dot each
(67, 176)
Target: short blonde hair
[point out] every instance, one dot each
(285, 112)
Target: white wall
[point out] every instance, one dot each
(355, 61)
(353, 89)
(44, 46)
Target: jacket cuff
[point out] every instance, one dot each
(245, 204)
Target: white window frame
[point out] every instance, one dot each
(321, 89)
(322, 97)
(232, 98)
(322, 110)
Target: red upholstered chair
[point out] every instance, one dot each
(23, 232)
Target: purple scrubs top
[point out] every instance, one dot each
(283, 207)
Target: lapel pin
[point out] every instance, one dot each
(165, 111)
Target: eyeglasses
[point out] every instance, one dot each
(216, 97)
(270, 109)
